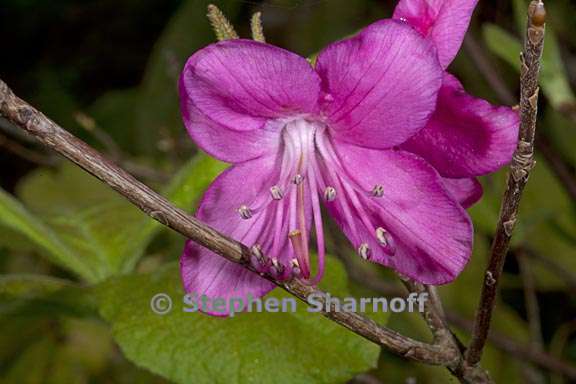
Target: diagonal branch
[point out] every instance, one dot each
(522, 164)
(51, 135)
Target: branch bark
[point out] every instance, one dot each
(522, 164)
(519, 350)
(51, 135)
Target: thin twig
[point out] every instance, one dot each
(13, 131)
(563, 170)
(114, 151)
(50, 134)
(522, 164)
(432, 314)
(553, 266)
(532, 374)
(488, 70)
(90, 125)
(433, 311)
(25, 153)
(517, 349)
(530, 299)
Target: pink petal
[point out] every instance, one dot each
(226, 144)
(208, 274)
(241, 84)
(248, 183)
(380, 86)
(466, 191)
(429, 233)
(466, 136)
(233, 92)
(442, 21)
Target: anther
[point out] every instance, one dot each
(382, 236)
(245, 212)
(296, 267)
(328, 97)
(330, 193)
(378, 190)
(256, 250)
(364, 251)
(257, 259)
(276, 268)
(298, 179)
(294, 233)
(276, 193)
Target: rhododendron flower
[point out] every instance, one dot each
(376, 131)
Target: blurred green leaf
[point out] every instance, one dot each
(65, 351)
(26, 286)
(503, 44)
(550, 225)
(115, 113)
(562, 132)
(183, 191)
(545, 223)
(502, 367)
(16, 217)
(158, 108)
(32, 364)
(185, 347)
(95, 222)
(88, 216)
(553, 78)
(38, 295)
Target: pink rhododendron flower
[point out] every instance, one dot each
(376, 131)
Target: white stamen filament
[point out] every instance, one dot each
(315, 179)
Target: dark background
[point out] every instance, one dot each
(107, 70)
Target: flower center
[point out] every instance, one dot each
(299, 164)
(308, 169)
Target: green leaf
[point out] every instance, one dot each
(32, 363)
(553, 77)
(503, 44)
(26, 286)
(91, 219)
(96, 223)
(16, 217)
(39, 294)
(183, 191)
(59, 350)
(115, 113)
(186, 347)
